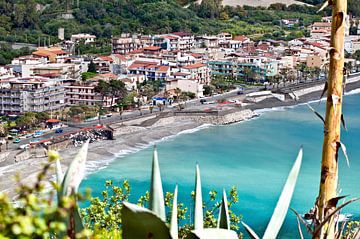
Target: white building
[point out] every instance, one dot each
(87, 38)
(35, 94)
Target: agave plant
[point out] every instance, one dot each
(140, 222)
(68, 187)
(282, 205)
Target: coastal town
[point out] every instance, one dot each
(55, 93)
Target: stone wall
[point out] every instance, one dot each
(231, 117)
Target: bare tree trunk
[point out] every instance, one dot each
(329, 166)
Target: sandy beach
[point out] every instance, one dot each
(129, 137)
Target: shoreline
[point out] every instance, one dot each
(133, 138)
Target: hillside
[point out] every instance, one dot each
(34, 20)
(257, 3)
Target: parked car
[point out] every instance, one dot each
(59, 130)
(38, 134)
(28, 135)
(17, 140)
(24, 146)
(202, 101)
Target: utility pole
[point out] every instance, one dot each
(331, 145)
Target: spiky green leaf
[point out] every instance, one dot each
(139, 222)
(224, 220)
(174, 220)
(198, 210)
(214, 233)
(157, 203)
(75, 173)
(282, 206)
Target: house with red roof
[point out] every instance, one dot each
(152, 70)
(199, 72)
(190, 78)
(52, 54)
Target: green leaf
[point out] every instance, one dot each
(224, 221)
(282, 206)
(198, 210)
(174, 220)
(214, 233)
(59, 172)
(250, 231)
(139, 222)
(75, 172)
(157, 204)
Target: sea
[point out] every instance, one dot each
(255, 156)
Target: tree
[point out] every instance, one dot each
(177, 93)
(103, 88)
(117, 90)
(87, 75)
(208, 90)
(92, 67)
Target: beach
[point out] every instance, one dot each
(131, 137)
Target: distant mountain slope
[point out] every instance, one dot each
(262, 3)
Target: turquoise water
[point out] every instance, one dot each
(255, 156)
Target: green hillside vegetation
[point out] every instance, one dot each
(26, 21)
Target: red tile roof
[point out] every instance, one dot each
(106, 58)
(152, 48)
(163, 68)
(181, 34)
(120, 57)
(180, 74)
(322, 24)
(241, 38)
(59, 52)
(194, 66)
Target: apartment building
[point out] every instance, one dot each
(85, 94)
(152, 70)
(125, 44)
(34, 94)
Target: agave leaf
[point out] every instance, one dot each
(343, 148)
(324, 90)
(75, 172)
(198, 211)
(214, 233)
(139, 222)
(174, 220)
(328, 217)
(316, 113)
(299, 227)
(156, 204)
(331, 204)
(325, 4)
(282, 206)
(308, 228)
(59, 172)
(343, 122)
(224, 221)
(79, 226)
(250, 231)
